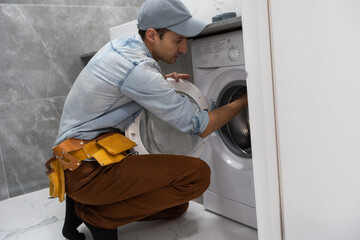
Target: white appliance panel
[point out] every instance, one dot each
(212, 80)
(124, 30)
(218, 62)
(238, 172)
(231, 209)
(218, 51)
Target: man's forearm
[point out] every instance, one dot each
(220, 116)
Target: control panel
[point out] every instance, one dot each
(219, 50)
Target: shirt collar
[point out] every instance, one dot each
(143, 45)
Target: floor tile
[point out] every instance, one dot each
(34, 216)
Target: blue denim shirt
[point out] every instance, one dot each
(117, 83)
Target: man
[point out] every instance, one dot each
(120, 81)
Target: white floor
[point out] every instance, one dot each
(34, 216)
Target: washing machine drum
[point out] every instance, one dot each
(154, 136)
(236, 133)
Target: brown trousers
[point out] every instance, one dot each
(140, 187)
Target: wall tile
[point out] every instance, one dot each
(40, 59)
(114, 3)
(26, 141)
(41, 46)
(4, 193)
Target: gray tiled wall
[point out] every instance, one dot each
(114, 3)
(41, 44)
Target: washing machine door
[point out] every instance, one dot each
(236, 133)
(154, 136)
(229, 85)
(228, 153)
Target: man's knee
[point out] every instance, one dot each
(202, 173)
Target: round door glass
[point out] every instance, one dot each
(236, 133)
(160, 138)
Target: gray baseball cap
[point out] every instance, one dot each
(170, 14)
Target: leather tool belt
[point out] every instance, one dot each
(106, 149)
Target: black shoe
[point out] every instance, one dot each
(102, 233)
(72, 222)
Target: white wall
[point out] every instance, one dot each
(316, 58)
(205, 9)
(262, 117)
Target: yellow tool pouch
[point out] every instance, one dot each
(56, 177)
(112, 149)
(106, 149)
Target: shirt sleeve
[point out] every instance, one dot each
(147, 86)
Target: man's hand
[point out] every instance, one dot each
(220, 116)
(177, 76)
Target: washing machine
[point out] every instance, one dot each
(154, 136)
(219, 73)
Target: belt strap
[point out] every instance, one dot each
(72, 151)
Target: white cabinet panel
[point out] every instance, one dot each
(316, 58)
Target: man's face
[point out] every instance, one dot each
(169, 47)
